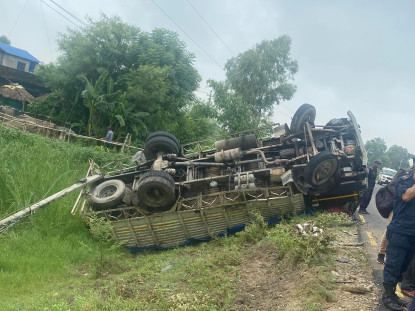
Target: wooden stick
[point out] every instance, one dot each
(75, 207)
(129, 145)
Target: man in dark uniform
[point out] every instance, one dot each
(401, 237)
(371, 181)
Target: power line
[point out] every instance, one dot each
(59, 13)
(283, 113)
(223, 42)
(68, 12)
(202, 92)
(46, 31)
(18, 17)
(286, 107)
(187, 35)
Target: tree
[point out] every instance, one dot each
(198, 122)
(256, 80)
(127, 117)
(153, 72)
(399, 157)
(93, 96)
(5, 40)
(232, 113)
(376, 150)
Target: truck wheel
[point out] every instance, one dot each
(165, 134)
(157, 174)
(108, 194)
(321, 169)
(306, 113)
(325, 188)
(160, 143)
(156, 193)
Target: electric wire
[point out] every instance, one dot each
(210, 27)
(18, 17)
(60, 14)
(283, 113)
(46, 31)
(286, 107)
(202, 92)
(187, 35)
(68, 12)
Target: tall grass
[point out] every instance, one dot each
(43, 247)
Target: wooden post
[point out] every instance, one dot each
(125, 141)
(129, 144)
(78, 200)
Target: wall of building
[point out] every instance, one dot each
(12, 62)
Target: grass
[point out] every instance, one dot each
(48, 260)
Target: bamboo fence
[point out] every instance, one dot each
(27, 124)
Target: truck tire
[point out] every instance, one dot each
(156, 193)
(165, 134)
(160, 143)
(157, 174)
(321, 170)
(306, 113)
(108, 194)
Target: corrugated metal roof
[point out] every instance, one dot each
(17, 52)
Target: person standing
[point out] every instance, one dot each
(408, 278)
(108, 138)
(371, 181)
(401, 237)
(384, 242)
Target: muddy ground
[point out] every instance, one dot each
(265, 285)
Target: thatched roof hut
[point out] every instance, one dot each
(16, 92)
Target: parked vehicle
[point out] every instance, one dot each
(180, 193)
(386, 175)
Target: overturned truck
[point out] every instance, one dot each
(176, 194)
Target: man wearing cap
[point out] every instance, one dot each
(371, 181)
(401, 237)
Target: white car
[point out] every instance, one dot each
(386, 175)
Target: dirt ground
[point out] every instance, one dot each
(264, 285)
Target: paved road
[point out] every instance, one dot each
(371, 230)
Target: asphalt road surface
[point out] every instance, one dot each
(371, 229)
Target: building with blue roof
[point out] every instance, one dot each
(17, 58)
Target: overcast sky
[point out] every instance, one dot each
(352, 55)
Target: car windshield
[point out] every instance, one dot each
(389, 172)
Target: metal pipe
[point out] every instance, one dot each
(311, 138)
(191, 163)
(252, 151)
(306, 146)
(32, 208)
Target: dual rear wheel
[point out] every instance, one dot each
(155, 189)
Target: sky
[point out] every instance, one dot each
(352, 55)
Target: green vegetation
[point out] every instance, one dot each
(50, 261)
(4, 39)
(113, 73)
(395, 157)
(256, 81)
